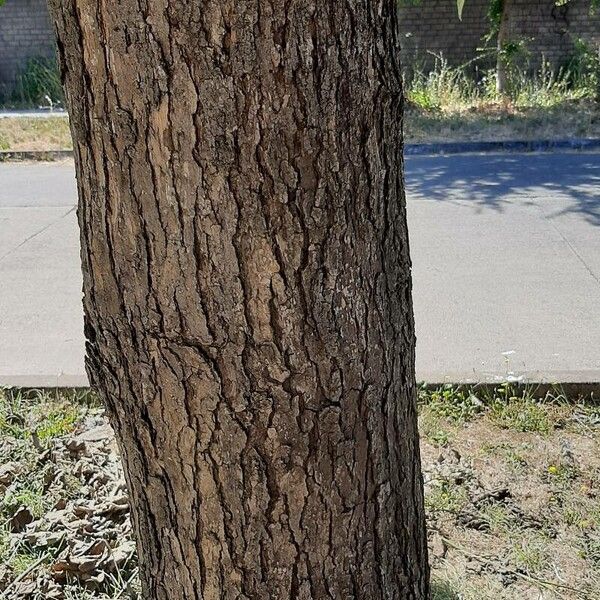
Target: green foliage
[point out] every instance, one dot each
(443, 590)
(39, 83)
(584, 67)
(521, 414)
(445, 496)
(29, 494)
(38, 414)
(446, 88)
(495, 10)
(441, 86)
(453, 403)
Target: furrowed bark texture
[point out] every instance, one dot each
(247, 290)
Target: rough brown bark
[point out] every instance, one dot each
(247, 290)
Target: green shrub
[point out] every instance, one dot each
(584, 67)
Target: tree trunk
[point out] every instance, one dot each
(501, 58)
(247, 290)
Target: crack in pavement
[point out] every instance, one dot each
(34, 235)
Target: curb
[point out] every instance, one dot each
(38, 155)
(573, 144)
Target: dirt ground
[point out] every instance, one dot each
(512, 497)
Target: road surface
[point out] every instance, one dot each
(506, 269)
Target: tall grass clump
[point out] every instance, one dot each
(447, 88)
(39, 84)
(442, 86)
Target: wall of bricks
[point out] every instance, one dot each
(433, 27)
(25, 32)
(551, 30)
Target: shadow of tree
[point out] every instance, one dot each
(564, 183)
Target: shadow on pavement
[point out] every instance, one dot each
(570, 181)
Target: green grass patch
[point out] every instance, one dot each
(521, 414)
(506, 406)
(41, 413)
(446, 496)
(530, 554)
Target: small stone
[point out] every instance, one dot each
(437, 545)
(97, 434)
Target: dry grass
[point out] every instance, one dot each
(502, 121)
(28, 133)
(481, 122)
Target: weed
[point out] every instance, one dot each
(584, 66)
(58, 421)
(448, 88)
(39, 412)
(453, 403)
(4, 542)
(29, 493)
(574, 517)
(506, 406)
(431, 427)
(521, 414)
(21, 561)
(561, 473)
(590, 550)
(445, 496)
(443, 590)
(442, 86)
(497, 517)
(530, 554)
(451, 103)
(27, 133)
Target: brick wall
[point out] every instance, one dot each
(551, 30)
(25, 32)
(433, 26)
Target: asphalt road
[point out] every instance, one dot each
(506, 269)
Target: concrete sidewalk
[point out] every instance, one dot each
(506, 255)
